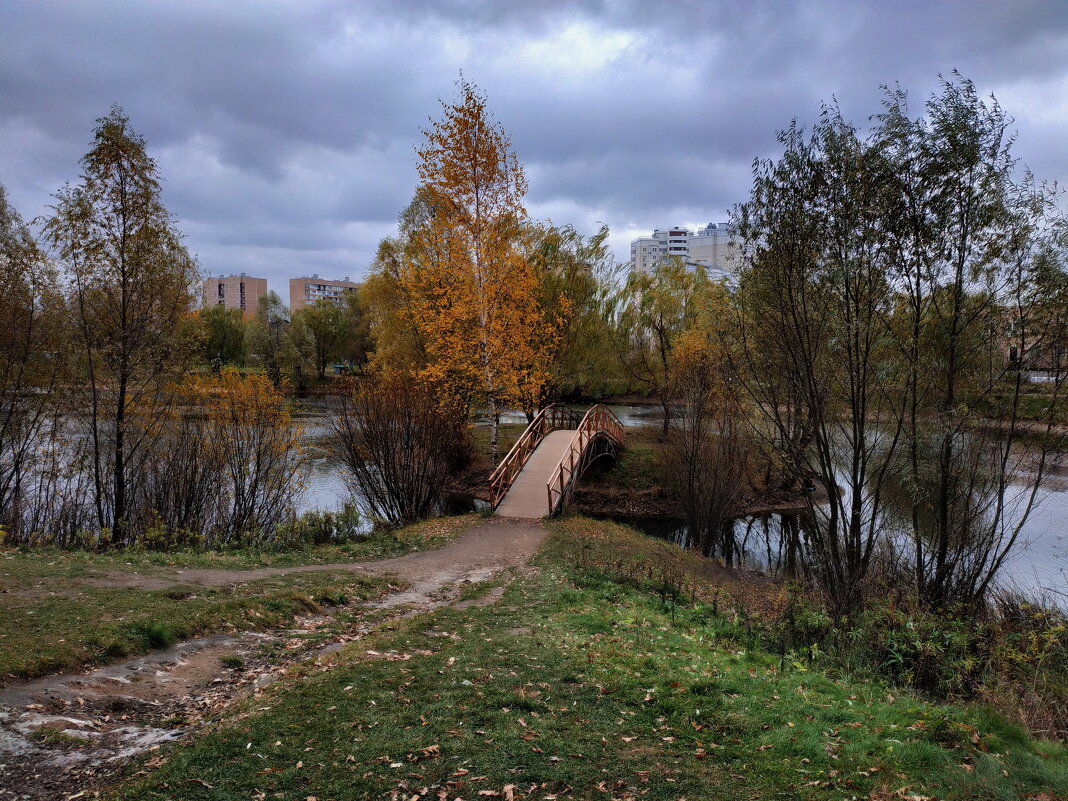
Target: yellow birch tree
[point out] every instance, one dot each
(473, 289)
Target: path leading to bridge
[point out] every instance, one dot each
(486, 547)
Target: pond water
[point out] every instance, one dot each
(326, 489)
(1037, 566)
(629, 414)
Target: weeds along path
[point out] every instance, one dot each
(63, 733)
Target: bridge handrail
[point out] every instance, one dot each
(599, 421)
(551, 418)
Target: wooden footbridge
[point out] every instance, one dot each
(539, 473)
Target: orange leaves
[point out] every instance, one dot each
(248, 433)
(471, 287)
(467, 159)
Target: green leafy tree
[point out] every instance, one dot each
(266, 336)
(132, 287)
(886, 275)
(978, 251)
(297, 356)
(325, 322)
(223, 336)
(817, 360)
(356, 345)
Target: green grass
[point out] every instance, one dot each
(507, 434)
(77, 626)
(477, 589)
(60, 615)
(584, 682)
(50, 736)
(20, 566)
(639, 466)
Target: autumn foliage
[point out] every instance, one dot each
(471, 288)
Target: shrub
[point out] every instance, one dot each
(156, 635)
(1014, 656)
(705, 453)
(317, 528)
(227, 465)
(399, 443)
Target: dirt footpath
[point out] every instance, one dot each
(61, 735)
(492, 544)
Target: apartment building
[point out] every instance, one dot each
(714, 247)
(647, 251)
(309, 289)
(235, 292)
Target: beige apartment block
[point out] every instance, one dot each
(309, 289)
(716, 247)
(235, 292)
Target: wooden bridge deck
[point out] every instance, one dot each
(526, 497)
(539, 473)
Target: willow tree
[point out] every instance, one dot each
(653, 310)
(979, 253)
(471, 285)
(575, 275)
(132, 288)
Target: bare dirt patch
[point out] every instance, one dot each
(489, 597)
(63, 734)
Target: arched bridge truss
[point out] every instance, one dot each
(539, 474)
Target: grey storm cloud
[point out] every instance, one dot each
(286, 130)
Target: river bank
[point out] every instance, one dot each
(633, 491)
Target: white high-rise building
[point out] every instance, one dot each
(715, 247)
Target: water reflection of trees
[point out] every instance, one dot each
(992, 488)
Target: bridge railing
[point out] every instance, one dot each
(551, 418)
(600, 433)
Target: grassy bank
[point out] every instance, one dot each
(64, 610)
(631, 487)
(621, 669)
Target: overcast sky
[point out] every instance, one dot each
(285, 131)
